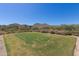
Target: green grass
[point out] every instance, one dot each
(42, 44)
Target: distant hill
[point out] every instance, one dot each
(41, 25)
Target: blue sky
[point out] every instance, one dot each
(52, 14)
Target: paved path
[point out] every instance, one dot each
(76, 51)
(2, 47)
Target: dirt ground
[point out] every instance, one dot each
(2, 47)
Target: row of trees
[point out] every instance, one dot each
(45, 28)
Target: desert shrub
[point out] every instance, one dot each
(60, 32)
(52, 32)
(76, 33)
(68, 33)
(44, 31)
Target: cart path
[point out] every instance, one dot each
(76, 51)
(2, 47)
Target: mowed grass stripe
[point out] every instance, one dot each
(47, 44)
(15, 46)
(43, 44)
